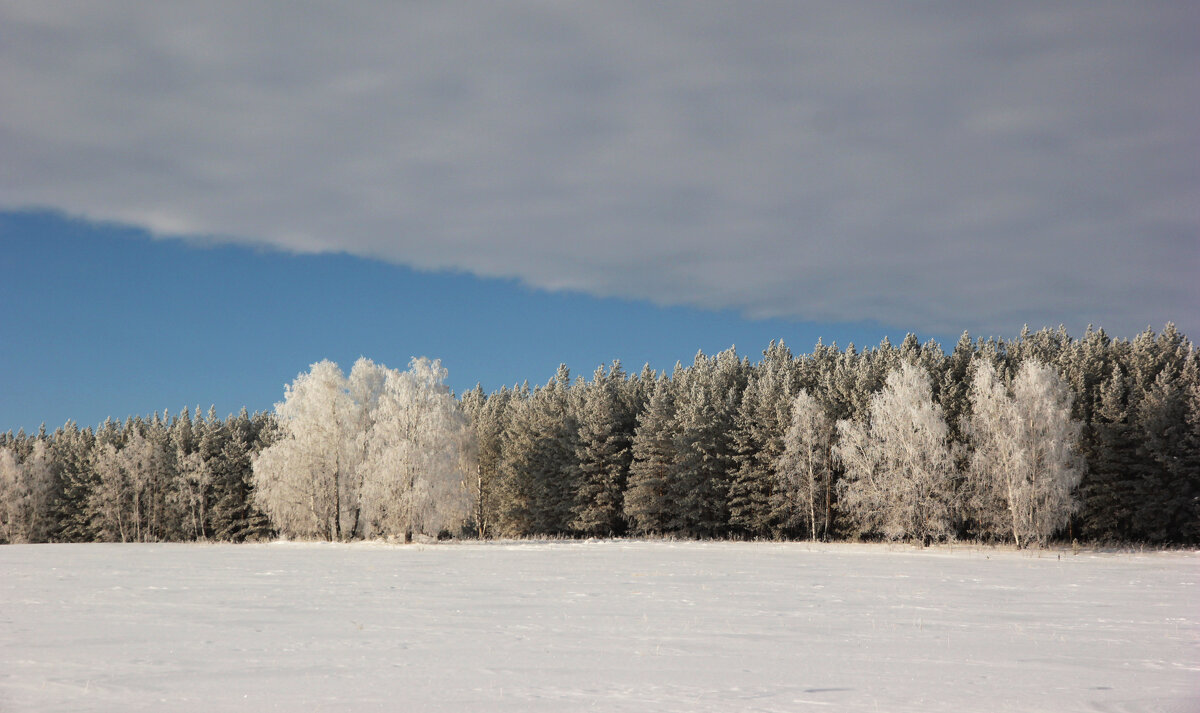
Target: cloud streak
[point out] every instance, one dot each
(932, 166)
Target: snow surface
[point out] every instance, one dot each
(610, 626)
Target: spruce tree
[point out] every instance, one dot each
(73, 451)
(1108, 488)
(540, 467)
(488, 415)
(706, 404)
(1166, 494)
(647, 503)
(759, 425)
(604, 454)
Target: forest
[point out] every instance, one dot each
(1027, 441)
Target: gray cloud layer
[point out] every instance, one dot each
(935, 166)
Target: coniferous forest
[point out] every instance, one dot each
(1027, 441)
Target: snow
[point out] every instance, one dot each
(610, 626)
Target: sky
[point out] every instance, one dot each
(197, 200)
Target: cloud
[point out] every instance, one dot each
(933, 166)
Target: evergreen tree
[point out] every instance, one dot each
(488, 415)
(704, 453)
(759, 426)
(1190, 448)
(955, 386)
(1167, 493)
(604, 455)
(647, 500)
(540, 467)
(73, 458)
(706, 404)
(229, 451)
(1107, 491)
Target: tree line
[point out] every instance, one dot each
(1026, 440)
(162, 478)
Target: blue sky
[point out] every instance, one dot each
(254, 186)
(103, 320)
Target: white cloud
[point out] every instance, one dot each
(929, 166)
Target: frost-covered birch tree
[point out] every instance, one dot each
(1026, 464)
(25, 494)
(193, 483)
(300, 481)
(419, 452)
(366, 384)
(992, 479)
(899, 470)
(804, 468)
(149, 473)
(110, 502)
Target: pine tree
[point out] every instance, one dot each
(73, 451)
(230, 449)
(706, 404)
(647, 504)
(1190, 448)
(759, 426)
(1165, 498)
(955, 385)
(540, 467)
(488, 415)
(604, 455)
(1107, 491)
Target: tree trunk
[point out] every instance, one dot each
(828, 505)
(812, 507)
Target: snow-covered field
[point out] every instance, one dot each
(608, 626)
